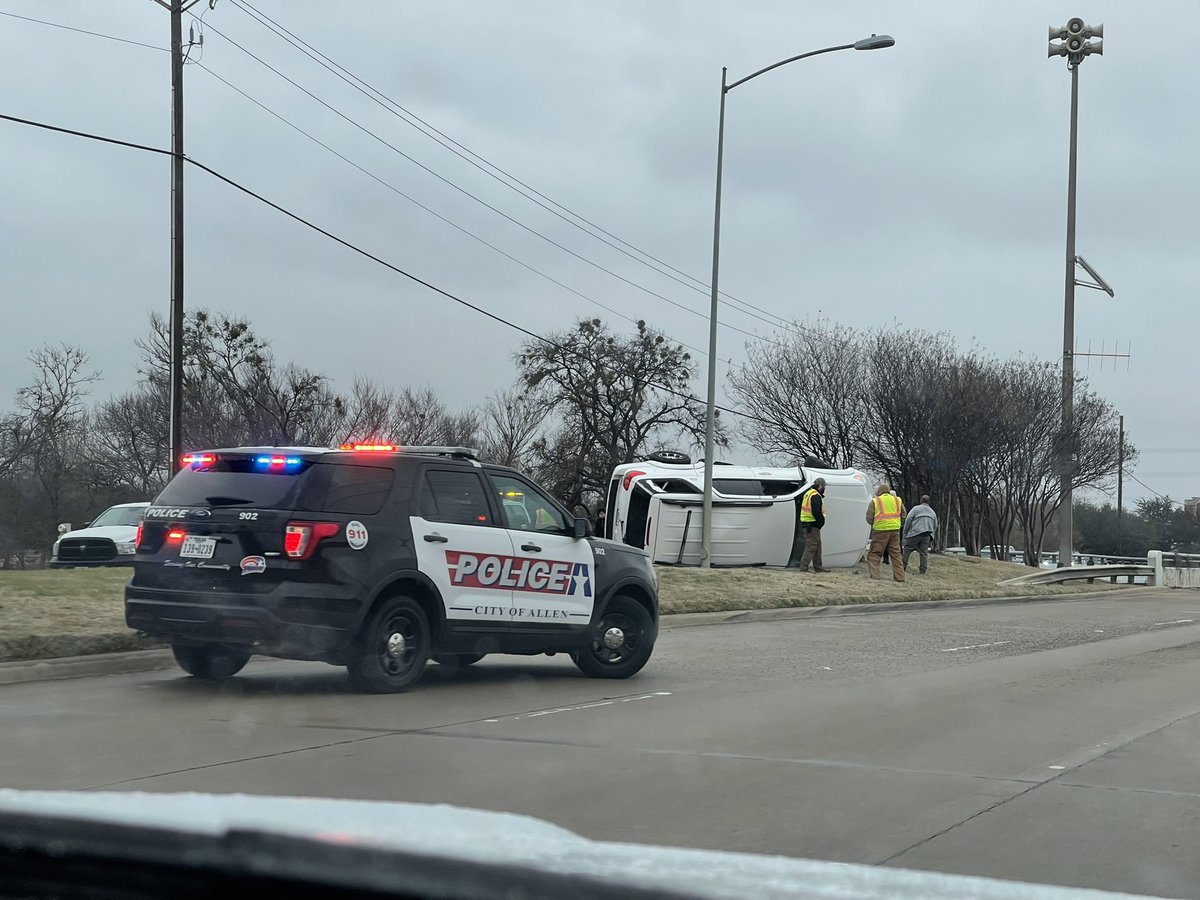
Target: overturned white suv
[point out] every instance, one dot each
(658, 504)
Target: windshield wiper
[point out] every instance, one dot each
(226, 501)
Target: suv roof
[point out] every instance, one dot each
(374, 449)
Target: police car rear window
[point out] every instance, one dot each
(236, 482)
(357, 490)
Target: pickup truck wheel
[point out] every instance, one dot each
(392, 649)
(210, 662)
(621, 642)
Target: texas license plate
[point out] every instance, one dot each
(198, 547)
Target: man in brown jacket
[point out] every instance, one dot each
(885, 515)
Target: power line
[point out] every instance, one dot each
(1152, 490)
(478, 199)
(386, 184)
(340, 240)
(494, 171)
(107, 37)
(428, 209)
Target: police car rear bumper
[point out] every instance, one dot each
(280, 630)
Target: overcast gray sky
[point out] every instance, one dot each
(923, 184)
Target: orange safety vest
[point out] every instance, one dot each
(806, 513)
(888, 510)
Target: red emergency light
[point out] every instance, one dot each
(376, 448)
(196, 460)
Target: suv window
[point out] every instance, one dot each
(456, 498)
(235, 482)
(527, 508)
(357, 490)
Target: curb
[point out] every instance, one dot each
(734, 617)
(133, 661)
(24, 671)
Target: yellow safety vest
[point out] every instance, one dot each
(887, 513)
(806, 513)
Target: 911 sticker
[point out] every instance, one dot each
(356, 535)
(519, 573)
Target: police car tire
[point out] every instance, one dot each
(210, 662)
(373, 668)
(596, 660)
(458, 660)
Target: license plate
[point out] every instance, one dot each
(198, 547)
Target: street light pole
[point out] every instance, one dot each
(874, 42)
(1076, 45)
(710, 419)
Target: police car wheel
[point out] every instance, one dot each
(210, 662)
(458, 660)
(621, 642)
(393, 648)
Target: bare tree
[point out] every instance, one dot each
(614, 396)
(805, 389)
(512, 422)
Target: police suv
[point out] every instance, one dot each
(380, 558)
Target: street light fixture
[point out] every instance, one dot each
(874, 42)
(1073, 41)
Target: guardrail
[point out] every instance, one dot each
(1111, 572)
(1161, 568)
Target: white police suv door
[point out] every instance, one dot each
(468, 556)
(554, 578)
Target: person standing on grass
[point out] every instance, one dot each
(885, 515)
(812, 519)
(919, 529)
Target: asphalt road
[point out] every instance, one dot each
(1044, 741)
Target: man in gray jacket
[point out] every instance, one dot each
(919, 529)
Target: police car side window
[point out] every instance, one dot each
(525, 507)
(456, 498)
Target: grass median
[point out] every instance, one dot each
(686, 590)
(76, 612)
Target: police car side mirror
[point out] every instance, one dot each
(581, 528)
(64, 527)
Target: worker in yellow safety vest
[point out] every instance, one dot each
(885, 515)
(812, 519)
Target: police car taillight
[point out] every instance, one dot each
(137, 540)
(300, 539)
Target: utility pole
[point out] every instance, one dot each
(175, 417)
(1120, 475)
(1076, 45)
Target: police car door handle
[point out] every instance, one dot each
(436, 539)
(532, 548)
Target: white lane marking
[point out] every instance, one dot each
(1097, 631)
(972, 646)
(1058, 768)
(827, 668)
(563, 709)
(965, 633)
(1176, 622)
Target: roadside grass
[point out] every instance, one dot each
(686, 590)
(73, 612)
(64, 612)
